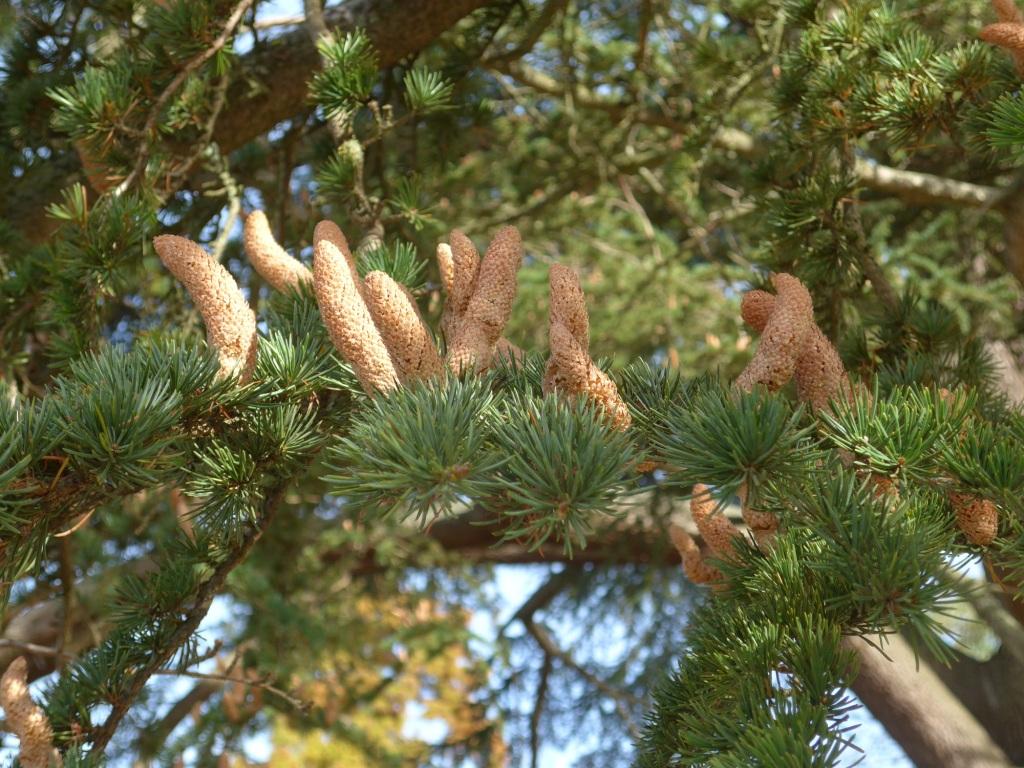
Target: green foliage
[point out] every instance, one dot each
(901, 435)
(878, 559)
(95, 264)
(427, 91)
(418, 451)
(399, 260)
(119, 433)
(348, 76)
(675, 166)
(727, 439)
(562, 469)
(988, 457)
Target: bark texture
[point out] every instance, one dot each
(993, 691)
(919, 711)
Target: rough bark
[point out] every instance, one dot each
(987, 689)
(931, 724)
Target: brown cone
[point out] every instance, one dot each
(568, 305)
(406, 336)
(230, 323)
(763, 525)
(714, 527)
(978, 518)
(1007, 10)
(490, 305)
(345, 314)
(1009, 35)
(819, 372)
(272, 262)
(696, 570)
(783, 338)
(569, 370)
(462, 274)
(26, 719)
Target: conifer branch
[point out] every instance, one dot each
(198, 605)
(149, 130)
(912, 186)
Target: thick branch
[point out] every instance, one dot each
(916, 708)
(270, 86)
(912, 186)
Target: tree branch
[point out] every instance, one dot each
(912, 186)
(271, 87)
(620, 697)
(152, 738)
(928, 721)
(193, 616)
(538, 709)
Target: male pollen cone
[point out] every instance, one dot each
(25, 718)
(269, 259)
(696, 570)
(406, 336)
(782, 339)
(345, 314)
(714, 527)
(570, 370)
(1007, 10)
(230, 322)
(978, 518)
(819, 372)
(490, 305)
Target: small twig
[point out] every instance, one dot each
(34, 648)
(213, 676)
(869, 266)
(538, 709)
(192, 617)
(318, 31)
(191, 66)
(67, 583)
(533, 34)
(234, 207)
(619, 697)
(279, 21)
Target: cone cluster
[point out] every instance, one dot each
(791, 343)
(339, 292)
(26, 719)
(1008, 32)
(230, 323)
(570, 370)
(792, 347)
(716, 530)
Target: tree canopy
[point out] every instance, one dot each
(370, 369)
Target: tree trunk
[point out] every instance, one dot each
(919, 711)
